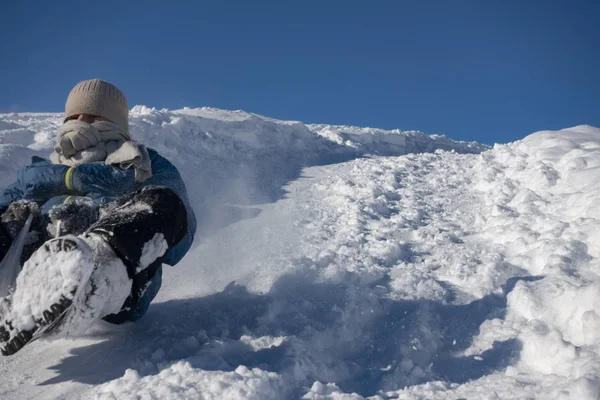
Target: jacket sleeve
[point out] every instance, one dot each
(166, 174)
(11, 193)
(42, 180)
(38, 181)
(101, 180)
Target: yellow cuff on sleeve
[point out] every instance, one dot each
(69, 178)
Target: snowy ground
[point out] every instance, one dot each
(346, 263)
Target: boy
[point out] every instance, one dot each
(107, 213)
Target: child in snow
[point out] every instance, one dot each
(107, 213)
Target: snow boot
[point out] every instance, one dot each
(104, 293)
(46, 287)
(66, 286)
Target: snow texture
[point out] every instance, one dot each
(337, 262)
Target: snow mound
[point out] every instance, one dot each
(391, 142)
(337, 262)
(180, 382)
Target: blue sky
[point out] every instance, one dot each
(491, 71)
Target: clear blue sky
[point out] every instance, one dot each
(485, 70)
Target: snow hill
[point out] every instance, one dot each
(336, 262)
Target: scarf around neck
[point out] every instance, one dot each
(79, 143)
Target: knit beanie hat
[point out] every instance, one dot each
(98, 97)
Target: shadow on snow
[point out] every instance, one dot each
(333, 333)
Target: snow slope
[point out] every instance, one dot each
(346, 263)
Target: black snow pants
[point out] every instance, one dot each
(127, 224)
(132, 221)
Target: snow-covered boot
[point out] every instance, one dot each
(105, 291)
(51, 280)
(66, 286)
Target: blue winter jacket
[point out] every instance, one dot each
(50, 184)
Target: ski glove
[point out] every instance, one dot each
(13, 219)
(102, 180)
(74, 216)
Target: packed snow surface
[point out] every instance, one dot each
(336, 262)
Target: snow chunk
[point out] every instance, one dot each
(181, 381)
(546, 351)
(153, 249)
(330, 391)
(264, 342)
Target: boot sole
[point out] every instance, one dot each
(51, 319)
(11, 338)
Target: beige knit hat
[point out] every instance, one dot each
(98, 97)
